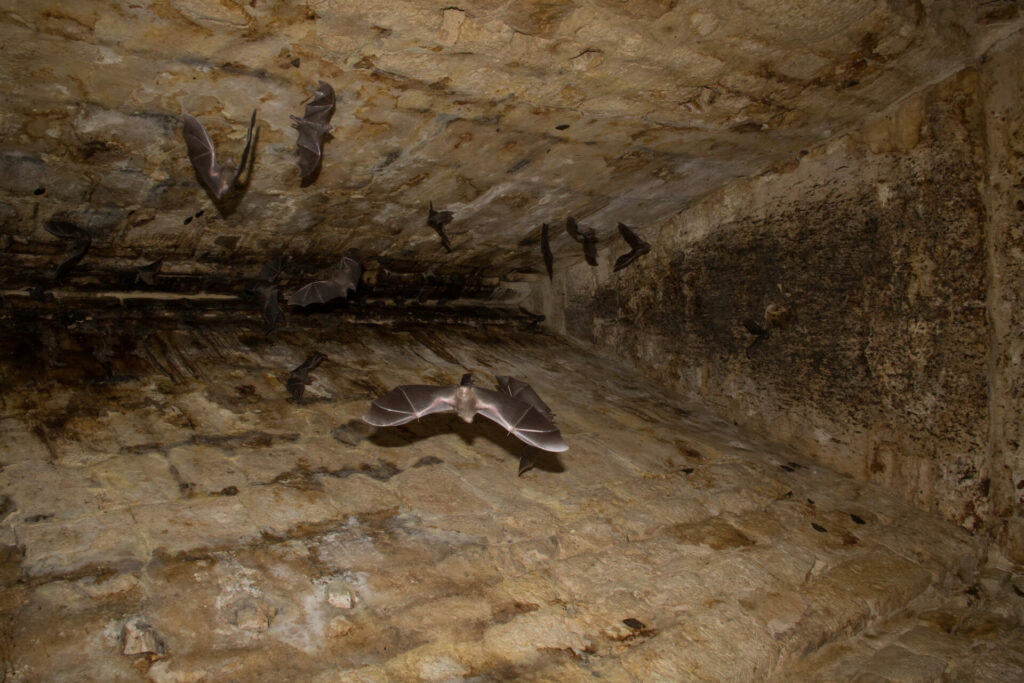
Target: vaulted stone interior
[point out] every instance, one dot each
(835, 497)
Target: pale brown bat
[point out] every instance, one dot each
(218, 179)
(342, 281)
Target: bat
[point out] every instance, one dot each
(545, 249)
(437, 220)
(267, 296)
(760, 333)
(272, 269)
(524, 392)
(413, 401)
(148, 273)
(342, 281)
(312, 127)
(217, 179)
(80, 243)
(637, 247)
(299, 377)
(585, 236)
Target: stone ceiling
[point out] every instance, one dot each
(509, 113)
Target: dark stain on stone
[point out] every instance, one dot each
(810, 502)
(715, 533)
(6, 507)
(227, 241)
(352, 432)
(308, 477)
(634, 624)
(562, 126)
(428, 460)
(228, 491)
(688, 451)
(857, 519)
(37, 518)
(41, 190)
(10, 564)
(506, 612)
(188, 219)
(787, 468)
(1018, 591)
(817, 527)
(518, 166)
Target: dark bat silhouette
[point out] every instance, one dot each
(585, 236)
(342, 281)
(219, 180)
(437, 220)
(638, 247)
(313, 126)
(148, 273)
(524, 392)
(80, 243)
(299, 377)
(413, 401)
(545, 249)
(270, 306)
(272, 269)
(760, 333)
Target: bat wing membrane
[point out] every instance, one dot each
(521, 420)
(245, 150)
(203, 154)
(410, 402)
(524, 392)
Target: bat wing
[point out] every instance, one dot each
(270, 307)
(245, 152)
(438, 219)
(410, 402)
(545, 249)
(625, 260)
(81, 246)
(270, 270)
(348, 274)
(310, 144)
(65, 230)
(590, 249)
(310, 364)
(521, 419)
(633, 240)
(754, 328)
(321, 108)
(524, 392)
(203, 156)
(318, 292)
(573, 229)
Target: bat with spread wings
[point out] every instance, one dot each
(80, 243)
(413, 401)
(585, 236)
(342, 281)
(638, 247)
(218, 179)
(437, 220)
(299, 377)
(312, 127)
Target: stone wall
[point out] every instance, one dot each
(891, 259)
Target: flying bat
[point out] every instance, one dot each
(545, 249)
(299, 377)
(524, 392)
(342, 281)
(638, 247)
(585, 236)
(270, 306)
(437, 220)
(80, 243)
(760, 333)
(149, 272)
(413, 401)
(219, 180)
(272, 269)
(312, 127)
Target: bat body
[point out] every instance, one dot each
(638, 247)
(413, 401)
(80, 243)
(149, 272)
(312, 127)
(342, 281)
(299, 377)
(270, 306)
(524, 392)
(545, 250)
(437, 220)
(218, 179)
(585, 236)
(272, 269)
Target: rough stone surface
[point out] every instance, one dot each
(666, 544)
(885, 266)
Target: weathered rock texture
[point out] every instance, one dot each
(894, 252)
(171, 514)
(508, 113)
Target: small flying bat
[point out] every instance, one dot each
(149, 272)
(218, 180)
(313, 126)
(524, 392)
(760, 333)
(271, 270)
(80, 243)
(545, 249)
(299, 377)
(437, 220)
(413, 401)
(342, 281)
(267, 296)
(638, 247)
(585, 236)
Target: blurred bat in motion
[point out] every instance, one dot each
(148, 273)
(266, 290)
(545, 249)
(638, 247)
(299, 377)
(413, 401)
(760, 333)
(219, 180)
(342, 281)
(585, 236)
(437, 220)
(80, 243)
(312, 127)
